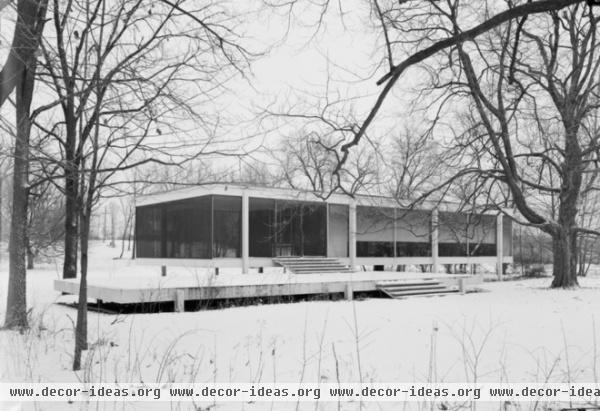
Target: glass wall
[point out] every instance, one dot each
(261, 226)
(507, 236)
(339, 233)
(482, 235)
(385, 232)
(281, 228)
(288, 231)
(148, 231)
(227, 227)
(301, 229)
(314, 229)
(188, 228)
(374, 232)
(463, 234)
(210, 227)
(413, 233)
(184, 228)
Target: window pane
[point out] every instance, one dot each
(413, 233)
(463, 234)
(227, 226)
(374, 232)
(507, 236)
(338, 230)
(288, 232)
(188, 228)
(300, 229)
(482, 250)
(148, 230)
(413, 249)
(452, 234)
(374, 248)
(482, 235)
(261, 226)
(314, 229)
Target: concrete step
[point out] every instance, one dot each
(308, 262)
(418, 293)
(311, 265)
(416, 288)
(317, 268)
(406, 283)
(321, 271)
(301, 259)
(399, 289)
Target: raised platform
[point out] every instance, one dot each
(183, 285)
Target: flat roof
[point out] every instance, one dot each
(239, 189)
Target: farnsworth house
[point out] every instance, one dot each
(227, 225)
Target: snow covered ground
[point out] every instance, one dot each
(516, 331)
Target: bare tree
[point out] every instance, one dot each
(125, 74)
(558, 66)
(307, 165)
(529, 74)
(3, 175)
(25, 42)
(45, 221)
(19, 72)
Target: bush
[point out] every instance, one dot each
(537, 270)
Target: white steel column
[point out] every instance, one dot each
(352, 234)
(394, 226)
(434, 240)
(245, 233)
(499, 246)
(327, 237)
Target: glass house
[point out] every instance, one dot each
(236, 225)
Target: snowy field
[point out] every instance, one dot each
(515, 331)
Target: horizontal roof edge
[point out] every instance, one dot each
(237, 189)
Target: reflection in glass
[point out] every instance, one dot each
(188, 228)
(413, 233)
(463, 234)
(374, 232)
(507, 244)
(227, 224)
(261, 226)
(148, 231)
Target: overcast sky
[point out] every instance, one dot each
(299, 63)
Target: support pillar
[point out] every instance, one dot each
(179, 301)
(434, 241)
(499, 246)
(349, 292)
(461, 285)
(245, 233)
(352, 235)
(394, 236)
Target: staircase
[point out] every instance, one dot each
(400, 289)
(312, 265)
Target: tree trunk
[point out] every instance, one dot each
(565, 274)
(1, 194)
(81, 326)
(26, 37)
(71, 231)
(30, 256)
(16, 305)
(72, 200)
(81, 340)
(564, 243)
(564, 237)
